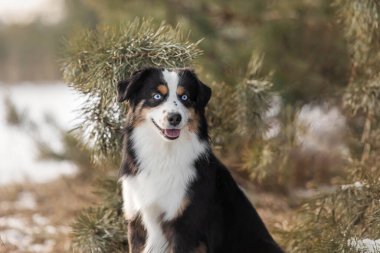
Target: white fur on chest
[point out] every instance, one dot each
(165, 171)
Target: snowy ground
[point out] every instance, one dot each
(45, 110)
(19, 231)
(39, 105)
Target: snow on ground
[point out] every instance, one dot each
(39, 105)
(356, 185)
(24, 229)
(22, 232)
(365, 245)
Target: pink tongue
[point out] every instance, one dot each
(172, 133)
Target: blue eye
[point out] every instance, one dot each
(184, 97)
(157, 96)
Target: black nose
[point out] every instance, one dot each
(174, 118)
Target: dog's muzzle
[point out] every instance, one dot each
(170, 133)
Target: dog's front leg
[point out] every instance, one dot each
(136, 235)
(183, 239)
(185, 245)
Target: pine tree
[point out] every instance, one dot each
(340, 221)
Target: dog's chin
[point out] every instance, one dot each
(168, 133)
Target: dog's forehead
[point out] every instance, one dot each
(180, 80)
(171, 78)
(188, 81)
(153, 79)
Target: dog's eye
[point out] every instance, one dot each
(157, 96)
(184, 97)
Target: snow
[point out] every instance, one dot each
(22, 233)
(25, 12)
(26, 200)
(357, 185)
(15, 237)
(40, 220)
(321, 128)
(13, 222)
(365, 245)
(271, 118)
(41, 107)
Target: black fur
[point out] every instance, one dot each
(219, 217)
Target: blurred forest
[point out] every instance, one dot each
(30, 51)
(295, 106)
(300, 39)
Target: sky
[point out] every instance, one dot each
(26, 11)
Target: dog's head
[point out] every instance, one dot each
(170, 101)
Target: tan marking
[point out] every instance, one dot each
(184, 204)
(193, 122)
(168, 231)
(136, 235)
(132, 171)
(138, 115)
(162, 89)
(181, 90)
(201, 248)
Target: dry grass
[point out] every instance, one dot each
(57, 203)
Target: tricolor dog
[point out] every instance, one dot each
(178, 197)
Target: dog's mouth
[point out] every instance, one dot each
(169, 133)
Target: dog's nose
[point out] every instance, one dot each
(174, 118)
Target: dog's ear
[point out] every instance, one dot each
(204, 94)
(122, 90)
(126, 88)
(203, 91)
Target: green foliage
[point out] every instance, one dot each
(102, 229)
(95, 61)
(305, 67)
(253, 97)
(109, 191)
(361, 22)
(242, 113)
(268, 161)
(99, 230)
(335, 222)
(329, 222)
(29, 52)
(220, 112)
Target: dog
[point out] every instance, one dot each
(177, 196)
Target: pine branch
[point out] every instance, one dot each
(109, 190)
(336, 222)
(95, 61)
(253, 97)
(99, 230)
